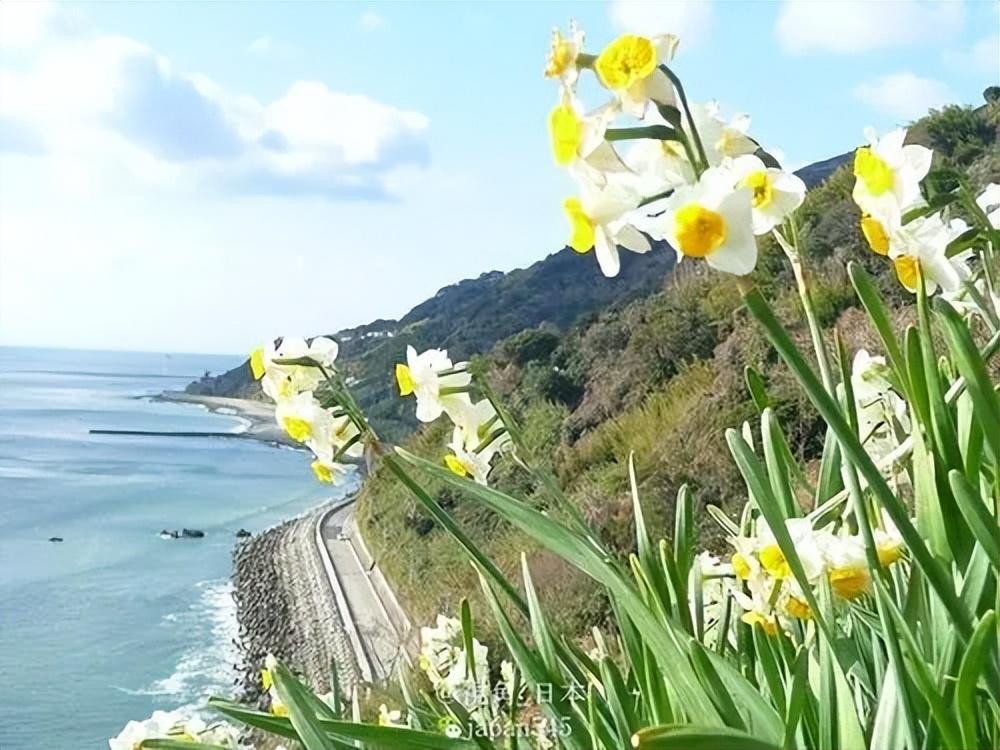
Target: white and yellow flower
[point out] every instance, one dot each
(173, 725)
(774, 194)
(659, 166)
(435, 382)
(847, 566)
(889, 174)
(578, 140)
(875, 231)
(919, 249)
(711, 220)
(281, 381)
(807, 546)
(390, 717)
(721, 140)
(601, 220)
(303, 418)
(888, 542)
(466, 463)
(563, 54)
(629, 68)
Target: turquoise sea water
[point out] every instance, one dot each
(114, 621)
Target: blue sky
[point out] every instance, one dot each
(202, 176)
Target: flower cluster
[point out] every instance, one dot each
(690, 177)
(771, 596)
(173, 725)
(448, 666)
(897, 222)
(441, 387)
(290, 373)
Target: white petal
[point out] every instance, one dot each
(918, 160)
(607, 253)
(631, 238)
(659, 88)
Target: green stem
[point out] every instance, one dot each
(687, 111)
(794, 253)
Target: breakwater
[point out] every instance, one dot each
(285, 607)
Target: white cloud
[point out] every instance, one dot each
(688, 19)
(852, 26)
(905, 96)
(982, 57)
(370, 21)
(110, 105)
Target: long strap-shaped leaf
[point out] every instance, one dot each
(938, 577)
(664, 638)
(687, 737)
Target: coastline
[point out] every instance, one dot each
(284, 606)
(257, 415)
(308, 611)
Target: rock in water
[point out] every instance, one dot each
(55, 538)
(192, 533)
(243, 534)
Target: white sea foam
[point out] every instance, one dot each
(206, 666)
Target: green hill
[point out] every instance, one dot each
(661, 376)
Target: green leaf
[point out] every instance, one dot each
(448, 524)
(973, 368)
(684, 537)
(301, 710)
(918, 670)
(535, 673)
(872, 302)
(982, 644)
(758, 391)
(688, 737)
(540, 632)
(654, 132)
(663, 638)
(937, 576)
(978, 517)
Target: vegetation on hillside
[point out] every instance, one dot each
(663, 377)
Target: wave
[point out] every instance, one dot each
(208, 666)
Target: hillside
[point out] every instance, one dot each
(661, 376)
(470, 317)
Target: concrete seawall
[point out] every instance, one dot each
(285, 606)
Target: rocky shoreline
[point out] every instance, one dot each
(285, 606)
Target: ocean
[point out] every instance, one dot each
(114, 622)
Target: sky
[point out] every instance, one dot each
(200, 177)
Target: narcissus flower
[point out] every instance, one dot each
(437, 383)
(563, 52)
(774, 194)
(919, 249)
(713, 221)
(889, 174)
(628, 67)
(303, 418)
(847, 566)
(173, 725)
(578, 140)
(600, 219)
(659, 166)
(282, 381)
(721, 140)
(875, 234)
(390, 718)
